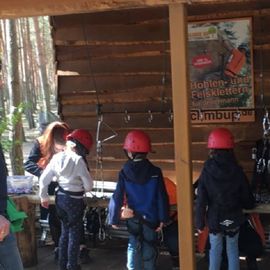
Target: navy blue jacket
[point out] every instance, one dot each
(31, 164)
(143, 186)
(223, 192)
(3, 183)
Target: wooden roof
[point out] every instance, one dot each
(26, 8)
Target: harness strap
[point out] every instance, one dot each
(70, 193)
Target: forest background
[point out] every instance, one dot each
(27, 82)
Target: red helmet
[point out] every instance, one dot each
(82, 136)
(137, 141)
(220, 138)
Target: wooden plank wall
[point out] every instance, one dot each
(121, 60)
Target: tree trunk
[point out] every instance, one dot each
(16, 154)
(30, 51)
(25, 74)
(45, 98)
(3, 87)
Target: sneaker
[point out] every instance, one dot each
(84, 256)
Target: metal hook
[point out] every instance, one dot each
(266, 123)
(201, 116)
(150, 117)
(164, 79)
(237, 116)
(126, 117)
(170, 118)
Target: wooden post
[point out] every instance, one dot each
(181, 96)
(27, 238)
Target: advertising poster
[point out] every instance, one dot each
(221, 71)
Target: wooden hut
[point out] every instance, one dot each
(123, 65)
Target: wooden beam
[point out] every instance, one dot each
(26, 8)
(181, 96)
(229, 14)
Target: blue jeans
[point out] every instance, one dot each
(9, 254)
(142, 246)
(216, 247)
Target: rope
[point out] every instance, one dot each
(85, 34)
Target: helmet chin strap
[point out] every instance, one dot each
(132, 156)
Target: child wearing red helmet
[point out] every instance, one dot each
(141, 185)
(70, 169)
(223, 192)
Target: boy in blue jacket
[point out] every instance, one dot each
(141, 188)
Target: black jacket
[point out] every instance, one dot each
(31, 165)
(3, 183)
(223, 192)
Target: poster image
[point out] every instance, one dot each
(221, 71)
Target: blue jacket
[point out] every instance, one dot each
(143, 186)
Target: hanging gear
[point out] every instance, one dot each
(137, 141)
(82, 136)
(261, 174)
(92, 221)
(95, 218)
(220, 138)
(99, 148)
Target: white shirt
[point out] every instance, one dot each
(70, 172)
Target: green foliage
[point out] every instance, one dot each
(8, 123)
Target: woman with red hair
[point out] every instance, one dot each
(51, 141)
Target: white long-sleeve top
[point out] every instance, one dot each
(70, 172)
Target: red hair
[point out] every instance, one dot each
(55, 133)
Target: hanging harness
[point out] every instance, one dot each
(261, 155)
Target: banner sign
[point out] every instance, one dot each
(221, 71)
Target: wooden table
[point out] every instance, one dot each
(27, 238)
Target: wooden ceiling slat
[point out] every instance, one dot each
(116, 121)
(135, 107)
(111, 17)
(67, 53)
(151, 64)
(26, 8)
(228, 10)
(135, 32)
(101, 84)
(154, 134)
